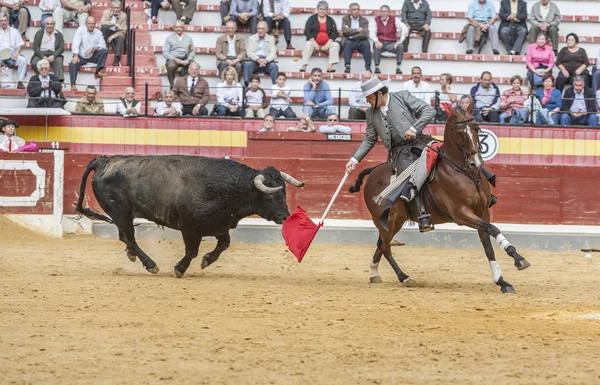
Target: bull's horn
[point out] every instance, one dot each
(259, 182)
(291, 180)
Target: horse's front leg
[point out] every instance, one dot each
(505, 287)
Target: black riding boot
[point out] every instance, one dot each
(493, 200)
(424, 219)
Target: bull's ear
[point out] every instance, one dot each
(471, 107)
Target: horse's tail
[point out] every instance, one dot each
(359, 181)
(86, 211)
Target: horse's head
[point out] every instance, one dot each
(461, 136)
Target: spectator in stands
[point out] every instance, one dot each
(355, 31)
(418, 88)
(49, 44)
(90, 104)
(167, 106)
(44, 88)
(417, 14)
(184, 10)
(10, 40)
(47, 7)
(245, 14)
(580, 101)
(280, 99)
(192, 92)
(487, 99)
(268, 123)
(231, 49)
(229, 94)
(72, 10)
(255, 98)
(305, 124)
(572, 61)
(539, 60)
(512, 102)
(114, 28)
(156, 5)
(481, 16)
(445, 99)
(10, 142)
(179, 51)
(128, 106)
(224, 8)
(596, 78)
(18, 15)
(88, 47)
(513, 26)
(321, 33)
(551, 101)
(278, 12)
(388, 35)
(544, 17)
(333, 126)
(463, 104)
(261, 55)
(357, 102)
(318, 101)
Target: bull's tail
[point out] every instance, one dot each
(359, 181)
(86, 211)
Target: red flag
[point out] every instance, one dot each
(299, 231)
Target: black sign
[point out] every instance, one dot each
(339, 137)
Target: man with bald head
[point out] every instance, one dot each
(358, 103)
(127, 105)
(231, 49)
(88, 47)
(179, 52)
(192, 92)
(261, 54)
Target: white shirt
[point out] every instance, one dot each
(122, 108)
(445, 98)
(10, 38)
(544, 10)
(85, 40)
(48, 41)
(189, 81)
(161, 108)
(254, 98)
(231, 46)
(356, 99)
(404, 30)
(276, 102)
(16, 142)
(264, 129)
(419, 91)
(282, 7)
(47, 93)
(417, 4)
(229, 95)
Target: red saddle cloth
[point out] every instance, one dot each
(432, 155)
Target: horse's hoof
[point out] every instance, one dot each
(376, 279)
(131, 257)
(410, 282)
(522, 264)
(507, 289)
(206, 261)
(178, 273)
(153, 270)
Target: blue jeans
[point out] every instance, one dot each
(590, 120)
(222, 110)
(252, 67)
(319, 112)
(20, 63)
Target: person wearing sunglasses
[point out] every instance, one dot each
(333, 126)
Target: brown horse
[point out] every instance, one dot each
(457, 193)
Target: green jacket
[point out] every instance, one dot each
(59, 46)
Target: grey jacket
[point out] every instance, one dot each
(252, 47)
(553, 18)
(405, 111)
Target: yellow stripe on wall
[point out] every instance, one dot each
(138, 136)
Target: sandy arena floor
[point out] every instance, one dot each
(76, 311)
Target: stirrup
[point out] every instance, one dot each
(425, 224)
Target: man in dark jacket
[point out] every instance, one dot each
(44, 90)
(417, 14)
(581, 102)
(355, 29)
(513, 26)
(49, 44)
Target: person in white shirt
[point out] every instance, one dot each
(11, 44)
(446, 99)
(255, 99)
(268, 123)
(23, 16)
(10, 142)
(280, 99)
(47, 7)
(168, 107)
(277, 12)
(128, 106)
(88, 47)
(357, 102)
(388, 35)
(229, 93)
(418, 88)
(333, 126)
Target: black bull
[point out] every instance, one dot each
(196, 195)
